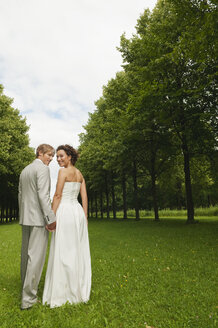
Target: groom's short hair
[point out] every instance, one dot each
(44, 148)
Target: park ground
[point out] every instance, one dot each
(143, 274)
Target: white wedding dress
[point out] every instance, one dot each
(68, 276)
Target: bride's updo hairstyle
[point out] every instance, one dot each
(70, 151)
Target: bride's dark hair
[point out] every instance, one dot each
(70, 151)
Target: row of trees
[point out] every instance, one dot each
(15, 154)
(152, 140)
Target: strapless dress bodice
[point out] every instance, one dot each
(70, 191)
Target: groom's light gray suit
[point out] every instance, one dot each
(35, 213)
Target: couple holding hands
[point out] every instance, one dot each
(68, 276)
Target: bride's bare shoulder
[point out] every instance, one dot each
(62, 172)
(79, 175)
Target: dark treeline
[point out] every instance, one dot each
(15, 154)
(151, 142)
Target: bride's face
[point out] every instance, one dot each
(63, 159)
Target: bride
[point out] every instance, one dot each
(68, 276)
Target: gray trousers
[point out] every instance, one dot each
(33, 252)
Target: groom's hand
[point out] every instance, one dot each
(51, 227)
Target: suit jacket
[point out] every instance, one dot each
(34, 195)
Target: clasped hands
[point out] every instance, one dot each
(51, 227)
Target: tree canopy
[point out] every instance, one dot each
(152, 139)
(15, 152)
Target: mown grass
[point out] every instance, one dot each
(144, 273)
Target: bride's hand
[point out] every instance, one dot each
(51, 227)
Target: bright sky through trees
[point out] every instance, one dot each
(56, 55)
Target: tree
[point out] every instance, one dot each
(15, 152)
(167, 73)
(159, 111)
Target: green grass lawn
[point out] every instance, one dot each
(143, 274)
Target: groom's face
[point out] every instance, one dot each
(46, 158)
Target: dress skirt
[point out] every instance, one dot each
(68, 276)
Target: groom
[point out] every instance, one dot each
(35, 216)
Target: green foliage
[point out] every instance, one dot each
(156, 121)
(14, 141)
(143, 273)
(15, 152)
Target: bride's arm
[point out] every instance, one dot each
(84, 197)
(59, 189)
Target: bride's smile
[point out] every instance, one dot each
(63, 159)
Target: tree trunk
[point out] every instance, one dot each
(188, 187)
(179, 194)
(96, 205)
(107, 196)
(208, 201)
(88, 207)
(113, 198)
(153, 188)
(2, 211)
(7, 213)
(124, 195)
(10, 213)
(135, 190)
(101, 205)
(17, 212)
(91, 200)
